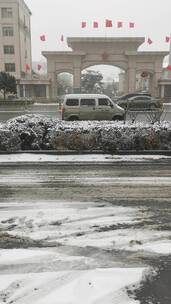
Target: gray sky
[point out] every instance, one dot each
(63, 17)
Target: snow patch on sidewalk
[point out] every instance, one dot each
(14, 255)
(102, 286)
(24, 256)
(124, 239)
(161, 247)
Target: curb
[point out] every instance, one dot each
(89, 152)
(125, 164)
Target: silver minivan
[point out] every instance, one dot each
(90, 107)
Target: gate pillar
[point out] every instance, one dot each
(77, 80)
(53, 90)
(131, 79)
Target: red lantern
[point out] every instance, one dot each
(144, 74)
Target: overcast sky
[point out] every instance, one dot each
(63, 17)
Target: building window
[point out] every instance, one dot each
(6, 12)
(7, 31)
(8, 49)
(9, 67)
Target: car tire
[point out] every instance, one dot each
(73, 118)
(118, 118)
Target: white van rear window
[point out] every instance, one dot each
(72, 102)
(87, 102)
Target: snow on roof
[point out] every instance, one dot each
(86, 95)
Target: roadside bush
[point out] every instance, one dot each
(37, 132)
(73, 139)
(31, 130)
(9, 141)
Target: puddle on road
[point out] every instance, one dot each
(155, 286)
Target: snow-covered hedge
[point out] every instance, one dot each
(37, 132)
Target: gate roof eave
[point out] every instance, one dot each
(70, 40)
(48, 54)
(147, 53)
(129, 42)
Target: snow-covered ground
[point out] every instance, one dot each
(65, 274)
(31, 157)
(85, 251)
(97, 286)
(82, 225)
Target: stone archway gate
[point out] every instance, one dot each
(120, 52)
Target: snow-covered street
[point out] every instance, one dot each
(73, 265)
(82, 234)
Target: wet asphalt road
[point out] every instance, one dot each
(52, 110)
(144, 185)
(146, 182)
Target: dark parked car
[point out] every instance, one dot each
(126, 96)
(141, 102)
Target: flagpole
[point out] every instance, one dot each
(105, 29)
(170, 52)
(169, 63)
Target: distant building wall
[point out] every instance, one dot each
(15, 38)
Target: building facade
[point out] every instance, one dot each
(16, 50)
(15, 38)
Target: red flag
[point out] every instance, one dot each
(169, 68)
(95, 24)
(149, 41)
(167, 39)
(27, 67)
(119, 24)
(131, 24)
(108, 23)
(43, 38)
(39, 67)
(83, 24)
(62, 38)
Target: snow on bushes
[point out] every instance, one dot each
(74, 136)
(31, 131)
(8, 140)
(38, 132)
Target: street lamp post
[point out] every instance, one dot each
(18, 87)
